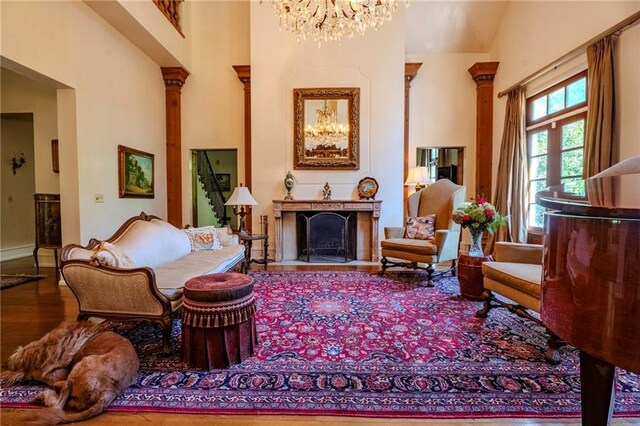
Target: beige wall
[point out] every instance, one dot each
(114, 95)
(20, 94)
(443, 107)
(374, 63)
(213, 96)
(17, 213)
(533, 34)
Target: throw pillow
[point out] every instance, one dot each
(225, 236)
(106, 254)
(203, 238)
(421, 228)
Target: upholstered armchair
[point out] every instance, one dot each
(516, 275)
(440, 198)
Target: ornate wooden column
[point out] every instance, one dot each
(483, 74)
(174, 78)
(244, 75)
(410, 72)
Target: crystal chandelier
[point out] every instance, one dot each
(330, 20)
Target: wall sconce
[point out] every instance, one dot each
(17, 161)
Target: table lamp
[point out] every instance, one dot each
(241, 197)
(418, 176)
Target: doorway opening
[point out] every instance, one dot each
(214, 175)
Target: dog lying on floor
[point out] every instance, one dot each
(87, 366)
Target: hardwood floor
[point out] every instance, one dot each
(30, 310)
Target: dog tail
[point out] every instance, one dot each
(56, 415)
(9, 377)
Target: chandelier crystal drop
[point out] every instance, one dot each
(330, 20)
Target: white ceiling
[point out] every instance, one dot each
(452, 26)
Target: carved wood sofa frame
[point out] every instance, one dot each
(161, 308)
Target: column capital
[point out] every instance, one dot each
(244, 73)
(410, 71)
(174, 76)
(482, 71)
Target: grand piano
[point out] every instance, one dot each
(591, 281)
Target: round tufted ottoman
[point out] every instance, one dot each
(218, 324)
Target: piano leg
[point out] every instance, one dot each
(598, 382)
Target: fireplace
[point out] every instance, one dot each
(326, 236)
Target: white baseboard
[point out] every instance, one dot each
(45, 256)
(16, 252)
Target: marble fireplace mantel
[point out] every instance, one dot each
(368, 212)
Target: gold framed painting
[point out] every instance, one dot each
(326, 128)
(135, 173)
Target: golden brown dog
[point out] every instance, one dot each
(87, 366)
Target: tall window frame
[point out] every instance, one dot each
(555, 124)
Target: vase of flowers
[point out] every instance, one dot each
(478, 216)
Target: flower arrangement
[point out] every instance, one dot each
(479, 216)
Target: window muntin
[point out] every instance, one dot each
(564, 97)
(556, 147)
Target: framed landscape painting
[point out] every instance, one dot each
(135, 173)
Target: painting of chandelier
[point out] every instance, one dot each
(328, 137)
(330, 20)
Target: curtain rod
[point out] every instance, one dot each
(618, 28)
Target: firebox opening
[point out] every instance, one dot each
(326, 236)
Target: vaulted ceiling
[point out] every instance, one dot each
(452, 26)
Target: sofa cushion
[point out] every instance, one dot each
(106, 254)
(153, 243)
(175, 274)
(423, 247)
(525, 277)
(225, 236)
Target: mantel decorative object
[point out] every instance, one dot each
(289, 183)
(367, 188)
(326, 192)
(326, 127)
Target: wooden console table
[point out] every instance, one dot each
(371, 207)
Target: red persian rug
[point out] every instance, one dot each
(356, 344)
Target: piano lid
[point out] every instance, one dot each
(614, 192)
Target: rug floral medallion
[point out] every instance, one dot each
(357, 344)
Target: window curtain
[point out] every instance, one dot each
(512, 193)
(598, 144)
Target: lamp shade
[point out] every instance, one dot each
(418, 175)
(241, 197)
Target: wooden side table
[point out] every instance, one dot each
(470, 276)
(247, 240)
(48, 229)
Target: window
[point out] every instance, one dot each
(556, 122)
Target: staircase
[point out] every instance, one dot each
(209, 182)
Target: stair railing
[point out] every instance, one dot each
(209, 181)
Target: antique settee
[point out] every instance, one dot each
(139, 272)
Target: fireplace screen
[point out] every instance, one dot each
(326, 236)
